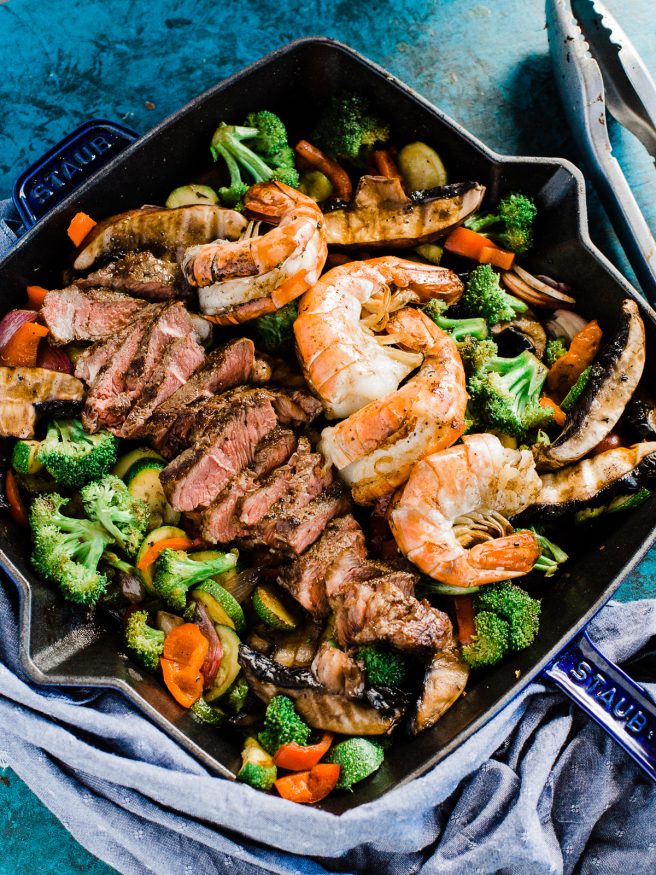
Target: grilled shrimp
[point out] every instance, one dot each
(258, 274)
(343, 361)
(456, 501)
(376, 447)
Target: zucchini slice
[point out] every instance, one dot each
(272, 611)
(220, 605)
(24, 457)
(160, 534)
(209, 714)
(188, 195)
(142, 479)
(229, 668)
(124, 464)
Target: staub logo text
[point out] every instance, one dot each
(68, 166)
(615, 701)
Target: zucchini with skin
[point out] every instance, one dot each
(142, 480)
(271, 610)
(229, 668)
(220, 605)
(188, 195)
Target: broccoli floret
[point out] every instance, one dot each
(349, 129)
(74, 457)
(556, 347)
(146, 643)
(383, 667)
(236, 696)
(504, 394)
(459, 329)
(257, 767)
(516, 607)
(269, 158)
(125, 517)
(67, 550)
(511, 226)
(490, 642)
(569, 401)
(484, 297)
(24, 457)
(357, 758)
(282, 725)
(275, 330)
(551, 557)
(476, 353)
(174, 572)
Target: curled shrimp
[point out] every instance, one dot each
(258, 274)
(448, 518)
(343, 360)
(376, 447)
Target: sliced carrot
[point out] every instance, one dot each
(309, 787)
(464, 605)
(23, 345)
(497, 257)
(290, 289)
(559, 415)
(80, 226)
(582, 351)
(185, 649)
(16, 506)
(302, 756)
(342, 188)
(385, 164)
(153, 552)
(35, 297)
(471, 244)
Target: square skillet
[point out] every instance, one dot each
(62, 645)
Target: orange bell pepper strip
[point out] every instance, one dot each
(16, 506)
(302, 756)
(471, 244)
(185, 649)
(385, 164)
(80, 226)
(313, 157)
(153, 552)
(35, 297)
(559, 415)
(566, 370)
(23, 345)
(464, 605)
(308, 787)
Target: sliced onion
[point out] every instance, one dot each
(532, 290)
(215, 650)
(53, 359)
(12, 322)
(241, 585)
(550, 281)
(166, 621)
(565, 323)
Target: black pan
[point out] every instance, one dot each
(63, 645)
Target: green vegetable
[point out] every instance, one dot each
(617, 505)
(511, 226)
(206, 713)
(551, 557)
(490, 642)
(282, 725)
(421, 167)
(476, 353)
(516, 607)
(74, 457)
(190, 195)
(67, 550)
(349, 129)
(146, 643)
(505, 392)
(221, 606)
(275, 331)
(357, 758)
(109, 503)
(555, 349)
(569, 401)
(160, 534)
(258, 769)
(271, 610)
(235, 698)
(143, 481)
(431, 252)
(24, 457)
(316, 185)
(484, 297)
(457, 328)
(126, 462)
(268, 155)
(229, 667)
(174, 572)
(383, 667)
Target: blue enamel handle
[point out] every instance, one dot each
(610, 697)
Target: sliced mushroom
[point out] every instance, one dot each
(375, 712)
(641, 416)
(613, 380)
(382, 214)
(24, 392)
(534, 290)
(163, 232)
(444, 681)
(593, 482)
(520, 334)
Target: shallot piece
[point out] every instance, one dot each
(53, 359)
(215, 650)
(11, 322)
(533, 290)
(565, 323)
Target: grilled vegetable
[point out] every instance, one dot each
(282, 725)
(421, 167)
(271, 610)
(146, 643)
(186, 195)
(257, 766)
(357, 758)
(125, 517)
(74, 457)
(174, 572)
(220, 605)
(229, 667)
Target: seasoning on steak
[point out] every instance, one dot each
(142, 275)
(72, 314)
(296, 530)
(284, 483)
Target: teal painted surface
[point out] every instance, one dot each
(484, 63)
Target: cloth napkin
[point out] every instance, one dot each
(540, 789)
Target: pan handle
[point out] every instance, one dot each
(609, 696)
(66, 166)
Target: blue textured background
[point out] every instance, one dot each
(137, 61)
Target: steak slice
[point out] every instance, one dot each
(72, 314)
(279, 483)
(92, 361)
(142, 275)
(274, 450)
(298, 529)
(224, 368)
(295, 406)
(379, 610)
(198, 475)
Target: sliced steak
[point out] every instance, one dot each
(295, 406)
(297, 530)
(228, 444)
(91, 362)
(72, 314)
(224, 368)
(281, 483)
(141, 274)
(380, 611)
(274, 450)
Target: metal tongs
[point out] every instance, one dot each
(597, 68)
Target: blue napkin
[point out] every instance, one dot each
(540, 789)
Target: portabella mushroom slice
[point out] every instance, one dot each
(524, 332)
(382, 214)
(161, 231)
(444, 681)
(613, 380)
(593, 482)
(375, 712)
